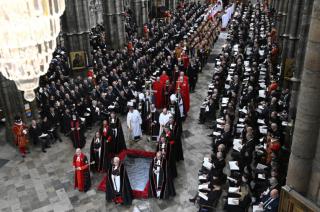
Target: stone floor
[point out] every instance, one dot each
(44, 181)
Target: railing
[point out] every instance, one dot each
(292, 201)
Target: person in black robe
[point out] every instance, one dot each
(176, 130)
(96, 153)
(160, 182)
(107, 146)
(77, 134)
(118, 188)
(152, 122)
(166, 147)
(117, 133)
(173, 107)
(171, 151)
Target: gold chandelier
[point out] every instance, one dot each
(28, 33)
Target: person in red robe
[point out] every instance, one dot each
(164, 78)
(157, 88)
(82, 180)
(185, 78)
(20, 131)
(182, 86)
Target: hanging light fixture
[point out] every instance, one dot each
(28, 33)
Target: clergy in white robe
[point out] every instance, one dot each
(164, 119)
(134, 122)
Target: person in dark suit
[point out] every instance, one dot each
(271, 203)
(46, 128)
(54, 120)
(213, 198)
(36, 136)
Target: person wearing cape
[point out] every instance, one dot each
(77, 134)
(176, 130)
(96, 155)
(118, 188)
(164, 78)
(107, 146)
(173, 108)
(166, 148)
(171, 151)
(117, 133)
(82, 180)
(160, 182)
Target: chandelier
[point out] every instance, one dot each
(27, 40)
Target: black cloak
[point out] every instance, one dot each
(125, 195)
(97, 166)
(118, 140)
(165, 180)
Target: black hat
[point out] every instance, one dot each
(17, 119)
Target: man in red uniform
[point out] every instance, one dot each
(82, 180)
(20, 131)
(157, 87)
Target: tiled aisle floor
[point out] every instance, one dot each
(44, 181)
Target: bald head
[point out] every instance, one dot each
(274, 193)
(116, 161)
(78, 151)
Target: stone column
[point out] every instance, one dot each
(307, 122)
(76, 26)
(286, 31)
(156, 5)
(141, 11)
(280, 17)
(172, 4)
(314, 189)
(284, 15)
(290, 30)
(113, 22)
(277, 6)
(12, 104)
(297, 46)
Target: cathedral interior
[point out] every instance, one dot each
(160, 105)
